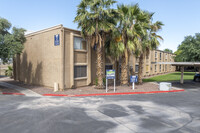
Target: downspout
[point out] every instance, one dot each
(62, 59)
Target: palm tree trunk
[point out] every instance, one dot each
(124, 71)
(99, 67)
(140, 72)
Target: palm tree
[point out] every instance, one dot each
(149, 40)
(114, 49)
(94, 17)
(129, 28)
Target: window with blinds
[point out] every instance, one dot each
(79, 43)
(80, 71)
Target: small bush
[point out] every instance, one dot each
(9, 72)
(96, 81)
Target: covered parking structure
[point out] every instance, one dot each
(182, 65)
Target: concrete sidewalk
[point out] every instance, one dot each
(25, 91)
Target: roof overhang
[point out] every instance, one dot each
(179, 63)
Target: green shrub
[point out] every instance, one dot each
(9, 72)
(96, 81)
(104, 81)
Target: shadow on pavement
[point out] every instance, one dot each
(190, 84)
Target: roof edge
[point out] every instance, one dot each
(44, 30)
(71, 29)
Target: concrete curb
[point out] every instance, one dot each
(110, 94)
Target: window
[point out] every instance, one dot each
(136, 68)
(160, 68)
(160, 56)
(155, 68)
(165, 67)
(79, 43)
(108, 67)
(155, 54)
(80, 71)
(166, 56)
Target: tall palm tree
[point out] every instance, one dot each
(149, 40)
(94, 17)
(114, 49)
(129, 28)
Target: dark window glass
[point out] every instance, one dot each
(136, 68)
(160, 68)
(108, 67)
(160, 56)
(80, 71)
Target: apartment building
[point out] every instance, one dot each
(149, 66)
(61, 55)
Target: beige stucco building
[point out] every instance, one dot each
(150, 68)
(60, 55)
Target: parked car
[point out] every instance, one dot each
(197, 77)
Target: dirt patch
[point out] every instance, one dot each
(145, 87)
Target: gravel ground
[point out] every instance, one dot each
(145, 87)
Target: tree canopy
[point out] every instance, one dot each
(168, 50)
(189, 49)
(96, 19)
(10, 43)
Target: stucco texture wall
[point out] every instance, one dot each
(39, 63)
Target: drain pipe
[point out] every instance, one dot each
(62, 59)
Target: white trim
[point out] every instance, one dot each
(80, 50)
(81, 78)
(77, 35)
(80, 64)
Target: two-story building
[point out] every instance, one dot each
(61, 55)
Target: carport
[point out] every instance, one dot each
(182, 65)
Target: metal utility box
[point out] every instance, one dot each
(164, 86)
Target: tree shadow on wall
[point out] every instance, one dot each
(28, 72)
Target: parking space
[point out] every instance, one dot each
(188, 85)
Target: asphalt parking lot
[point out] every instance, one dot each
(149, 113)
(189, 85)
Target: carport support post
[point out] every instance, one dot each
(182, 73)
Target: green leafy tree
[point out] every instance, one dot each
(189, 50)
(10, 43)
(95, 18)
(168, 50)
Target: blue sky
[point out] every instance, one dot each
(181, 17)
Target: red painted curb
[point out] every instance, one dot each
(55, 95)
(9, 93)
(106, 94)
